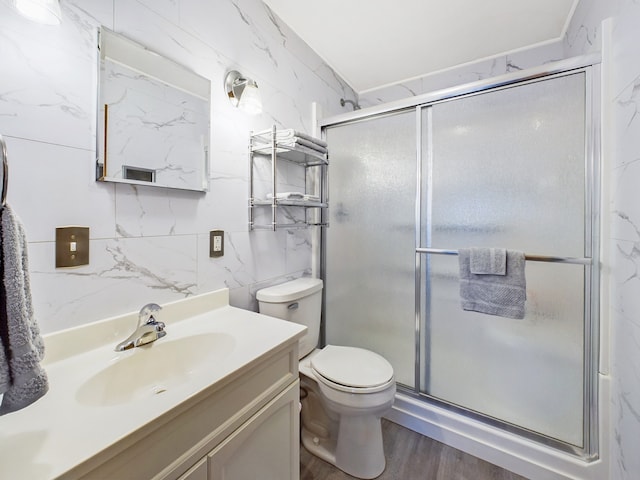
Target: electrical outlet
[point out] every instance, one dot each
(216, 243)
(72, 246)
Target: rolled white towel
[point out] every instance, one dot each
(289, 133)
(287, 196)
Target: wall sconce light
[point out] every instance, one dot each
(243, 92)
(41, 11)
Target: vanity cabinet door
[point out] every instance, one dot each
(197, 472)
(265, 447)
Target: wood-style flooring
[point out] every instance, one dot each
(412, 456)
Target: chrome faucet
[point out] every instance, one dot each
(148, 329)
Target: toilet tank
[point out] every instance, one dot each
(298, 301)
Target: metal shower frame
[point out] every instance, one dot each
(590, 65)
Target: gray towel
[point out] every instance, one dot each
(502, 295)
(306, 143)
(22, 378)
(488, 261)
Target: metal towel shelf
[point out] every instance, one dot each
(534, 258)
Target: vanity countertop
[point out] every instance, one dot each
(82, 415)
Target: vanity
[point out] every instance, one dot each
(217, 397)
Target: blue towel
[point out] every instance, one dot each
(502, 295)
(22, 378)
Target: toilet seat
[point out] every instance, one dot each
(351, 369)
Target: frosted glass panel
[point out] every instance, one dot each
(370, 259)
(508, 170)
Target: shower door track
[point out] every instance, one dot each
(497, 423)
(589, 450)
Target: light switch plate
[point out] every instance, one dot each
(72, 246)
(216, 243)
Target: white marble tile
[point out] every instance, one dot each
(232, 270)
(38, 98)
(299, 250)
(225, 205)
(471, 72)
(249, 36)
(399, 91)
(122, 276)
(90, 12)
(626, 361)
(265, 252)
(169, 9)
(167, 38)
(145, 211)
(295, 46)
(248, 258)
(626, 209)
(625, 226)
(241, 298)
(52, 186)
(583, 33)
(536, 56)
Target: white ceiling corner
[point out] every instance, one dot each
(374, 43)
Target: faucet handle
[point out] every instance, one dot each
(146, 313)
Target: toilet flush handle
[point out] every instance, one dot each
(293, 306)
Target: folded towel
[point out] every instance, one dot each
(289, 133)
(298, 141)
(287, 195)
(502, 295)
(302, 148)
(22, 378)
(488, 261)
(297, 197)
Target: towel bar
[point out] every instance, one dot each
(534, 258)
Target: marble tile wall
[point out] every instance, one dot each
(149, 244)
(471, 72)
(622, 216)
(622, 170)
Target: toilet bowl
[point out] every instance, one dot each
(348, 432)
(344, 390)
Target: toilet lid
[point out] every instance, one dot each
(351, 366)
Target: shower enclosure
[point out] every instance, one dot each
(510, 164)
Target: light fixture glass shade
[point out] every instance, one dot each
(243, 92)
(250, 101)
(41, 11)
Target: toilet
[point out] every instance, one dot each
(344, 390)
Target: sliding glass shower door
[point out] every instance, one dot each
(507, 167)
(370, 262)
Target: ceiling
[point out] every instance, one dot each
(374, 43)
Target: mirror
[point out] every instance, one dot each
(153, 118)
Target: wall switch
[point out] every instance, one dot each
(72, 246)
(216, 243)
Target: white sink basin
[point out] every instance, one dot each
(155, 368)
